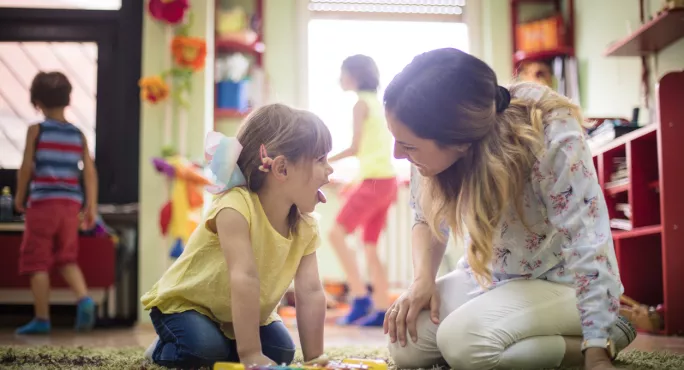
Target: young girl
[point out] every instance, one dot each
(217, 302)
(366, 205)
(50, 175)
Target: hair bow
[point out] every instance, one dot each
(222, 153)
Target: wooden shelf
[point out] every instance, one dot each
(614, 190)
(229, 113)
(521, 56)
(625, 138)
(236, 46)
(637, 231)
(653, 36)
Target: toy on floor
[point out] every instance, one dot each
(346, 364)
(644, 318)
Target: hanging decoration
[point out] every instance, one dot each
(187, 55)
(153, 89)
(169, 11)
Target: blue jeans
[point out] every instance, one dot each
(190, 339)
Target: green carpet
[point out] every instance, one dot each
(48, 358)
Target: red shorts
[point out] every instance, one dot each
(50, 236)
(367, 206)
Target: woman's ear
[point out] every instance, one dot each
(462, 148)
(279, 167)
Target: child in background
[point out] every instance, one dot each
(53, 153)
(218, 301)
(367, 204)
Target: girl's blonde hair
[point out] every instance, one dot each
(293, 133)
(451, 97)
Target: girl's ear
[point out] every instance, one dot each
(279, 167)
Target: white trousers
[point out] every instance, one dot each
(520, 324)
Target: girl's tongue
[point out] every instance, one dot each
(321, 196)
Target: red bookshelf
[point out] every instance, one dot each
(650, 255)
(235, 45)
(229, 113)
(655, 35)
(568, 39)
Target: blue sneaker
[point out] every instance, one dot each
(85, 314)
(360, 307)
(374, 319)
(36, 326)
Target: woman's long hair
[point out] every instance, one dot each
(453, 98)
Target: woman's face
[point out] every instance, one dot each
(429, 158)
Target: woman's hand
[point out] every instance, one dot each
(597, 359)
(403, 313)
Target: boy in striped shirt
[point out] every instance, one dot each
(54, 155)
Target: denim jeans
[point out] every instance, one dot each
(190, 339)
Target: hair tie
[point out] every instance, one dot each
(222, 153)
(503, 99)
(266, 161)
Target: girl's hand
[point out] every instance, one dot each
(321, 360)
(257, 359)
(597, 359)
(403, 313)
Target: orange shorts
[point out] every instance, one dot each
(367, 206)
(50, 236)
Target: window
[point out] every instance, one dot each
(392, 44)
(19, 63)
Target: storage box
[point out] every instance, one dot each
(232, 95)
(541, 35)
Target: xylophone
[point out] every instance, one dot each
(346, 364)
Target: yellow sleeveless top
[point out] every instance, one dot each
(375, 149)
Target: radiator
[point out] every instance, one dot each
(394, 245)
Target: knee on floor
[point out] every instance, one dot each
(468, 345)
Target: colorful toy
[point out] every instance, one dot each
(178, 217)
(346, 364)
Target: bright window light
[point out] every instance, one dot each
(392, 44)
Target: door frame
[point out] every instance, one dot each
(119, 37)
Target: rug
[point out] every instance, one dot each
(49, 358)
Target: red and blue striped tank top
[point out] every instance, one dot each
(58, 162)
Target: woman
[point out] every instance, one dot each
(509, 172)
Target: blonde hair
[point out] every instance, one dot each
(293, 133)
(473, 193)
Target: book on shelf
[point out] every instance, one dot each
(619, 182)
(621, 223)
(624, 208)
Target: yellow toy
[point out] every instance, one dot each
(346, 364)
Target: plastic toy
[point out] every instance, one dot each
(346, 364)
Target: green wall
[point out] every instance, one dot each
(611, 86)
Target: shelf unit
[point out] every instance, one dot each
(569, 20)
(255, 49)
(653, 36)
(651, 254)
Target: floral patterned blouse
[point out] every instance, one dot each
(569, 239)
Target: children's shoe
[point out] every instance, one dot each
(374, 319)
(360, 307)
(85, 314)
(623, 333)
(36, 326)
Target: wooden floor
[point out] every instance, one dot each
(143, 335)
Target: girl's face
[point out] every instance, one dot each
(305, 180)
(347, 82)
(429, 158)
